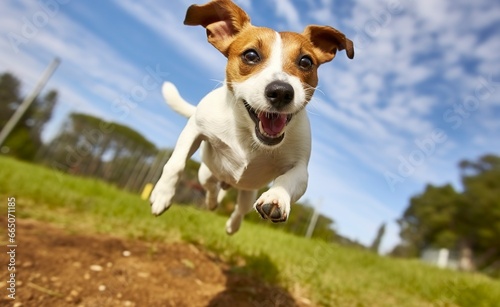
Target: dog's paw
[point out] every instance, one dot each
(274, 206)
(211, 201)
(233, 223)
(161, 199)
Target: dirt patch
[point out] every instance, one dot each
(57, 268)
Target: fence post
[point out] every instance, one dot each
(14, 119)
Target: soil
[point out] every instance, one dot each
(55, 267)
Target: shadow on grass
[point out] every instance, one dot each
(254, 285)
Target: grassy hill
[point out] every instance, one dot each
(331, 275)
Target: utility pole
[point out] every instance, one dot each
(314, 219)
(9, 126)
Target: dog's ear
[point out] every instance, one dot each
(327, 41)
(223, 20)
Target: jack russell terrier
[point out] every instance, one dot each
(254, 128)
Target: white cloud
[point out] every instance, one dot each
(168, 25)
(287, 10)
(487, 53)
(372, 82)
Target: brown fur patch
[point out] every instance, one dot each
(257, 38)
(295, 46)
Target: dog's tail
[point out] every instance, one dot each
(175, 101)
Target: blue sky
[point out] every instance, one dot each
(422, 93)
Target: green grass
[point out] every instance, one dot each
(330, 275)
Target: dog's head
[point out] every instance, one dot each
(273, 75)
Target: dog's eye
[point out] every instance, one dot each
(251, 57)
(305, 62)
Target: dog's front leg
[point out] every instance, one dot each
(188, 142)
(286, 189)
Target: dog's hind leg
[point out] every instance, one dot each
(211, 186)
(244, 204)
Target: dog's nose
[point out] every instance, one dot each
(279, 93)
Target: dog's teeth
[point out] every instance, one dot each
(261, 129)
(264, 133)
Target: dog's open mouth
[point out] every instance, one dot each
(269, 127)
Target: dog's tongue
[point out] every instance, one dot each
(273, 123)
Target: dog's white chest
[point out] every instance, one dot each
(242, 170)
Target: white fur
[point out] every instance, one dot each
(231, 153)
(175, 101)
(253, 89)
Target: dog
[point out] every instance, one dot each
(254, 129)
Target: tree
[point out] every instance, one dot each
(429, 220)
(91, 146)
(480, 211)
(469, 221)
(43, 111)
(10, 97)
(25, 139)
